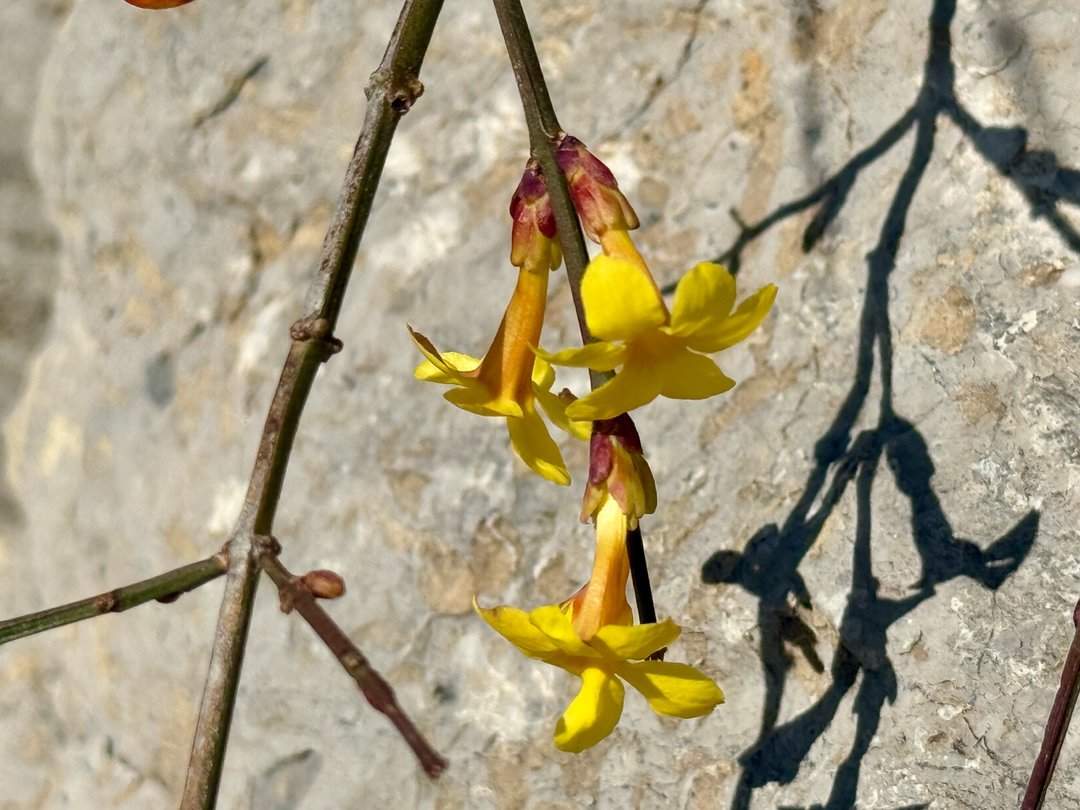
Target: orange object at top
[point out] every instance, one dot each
(158, 3)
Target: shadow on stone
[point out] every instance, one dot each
(284, 784)
(768, 567)
(29, 248)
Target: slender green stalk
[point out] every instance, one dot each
(164, 588)
(392, 90)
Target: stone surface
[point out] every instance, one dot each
(189, 161)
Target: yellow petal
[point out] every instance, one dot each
(648, 483)
(603, 600)
(432, 354)
(514, 625)
(634, 386)
(533, 444)
(677, 690)
(475, 398)
(635, 641)
(704, 296)
(687, 375)
(600, 356)
(555, 623)
(429, 372)
(592, 714)
(738, 326)
(543, 375)
(621, 300)
(555, 409)
(618, 244)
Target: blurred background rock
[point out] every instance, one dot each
(165, 181)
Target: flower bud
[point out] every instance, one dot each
(532, 243)
(617, 467)
(323, 584)
(594, 190)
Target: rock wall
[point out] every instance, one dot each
(872, 540)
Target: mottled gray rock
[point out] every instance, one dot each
(190, 161)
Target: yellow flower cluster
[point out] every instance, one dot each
(654, 352)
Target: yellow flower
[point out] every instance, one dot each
(659, 353)
(510, 380)
(591, 636)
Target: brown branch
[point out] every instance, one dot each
(294, 595)
(391, 92)
(1057, 724)
(165, 587)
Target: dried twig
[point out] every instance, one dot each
(391, 92)
(294, 595)
(544, 135)
(1057, 724)
(164, 588)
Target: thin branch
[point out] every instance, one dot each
(1057, 724)
(294, 595)
(222, 680)
(164, 588)
(392, 90)
(639, 573)
(544, 135)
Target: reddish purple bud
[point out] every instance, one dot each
(622, 428)
(545, 219)
(572, 155)
(618, 468)
(594, 190)
(601, 457)
(533, 232)
(530, 188)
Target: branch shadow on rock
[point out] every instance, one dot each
(768, 566)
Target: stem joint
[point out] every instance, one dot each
(317, 330)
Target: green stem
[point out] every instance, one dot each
(391, 92)
(164, 588)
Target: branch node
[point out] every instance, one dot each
(266, 545)
(105, 603)
(288, 593)
(378, 80)
(317, 330)
(403, 96)
(353, 661)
